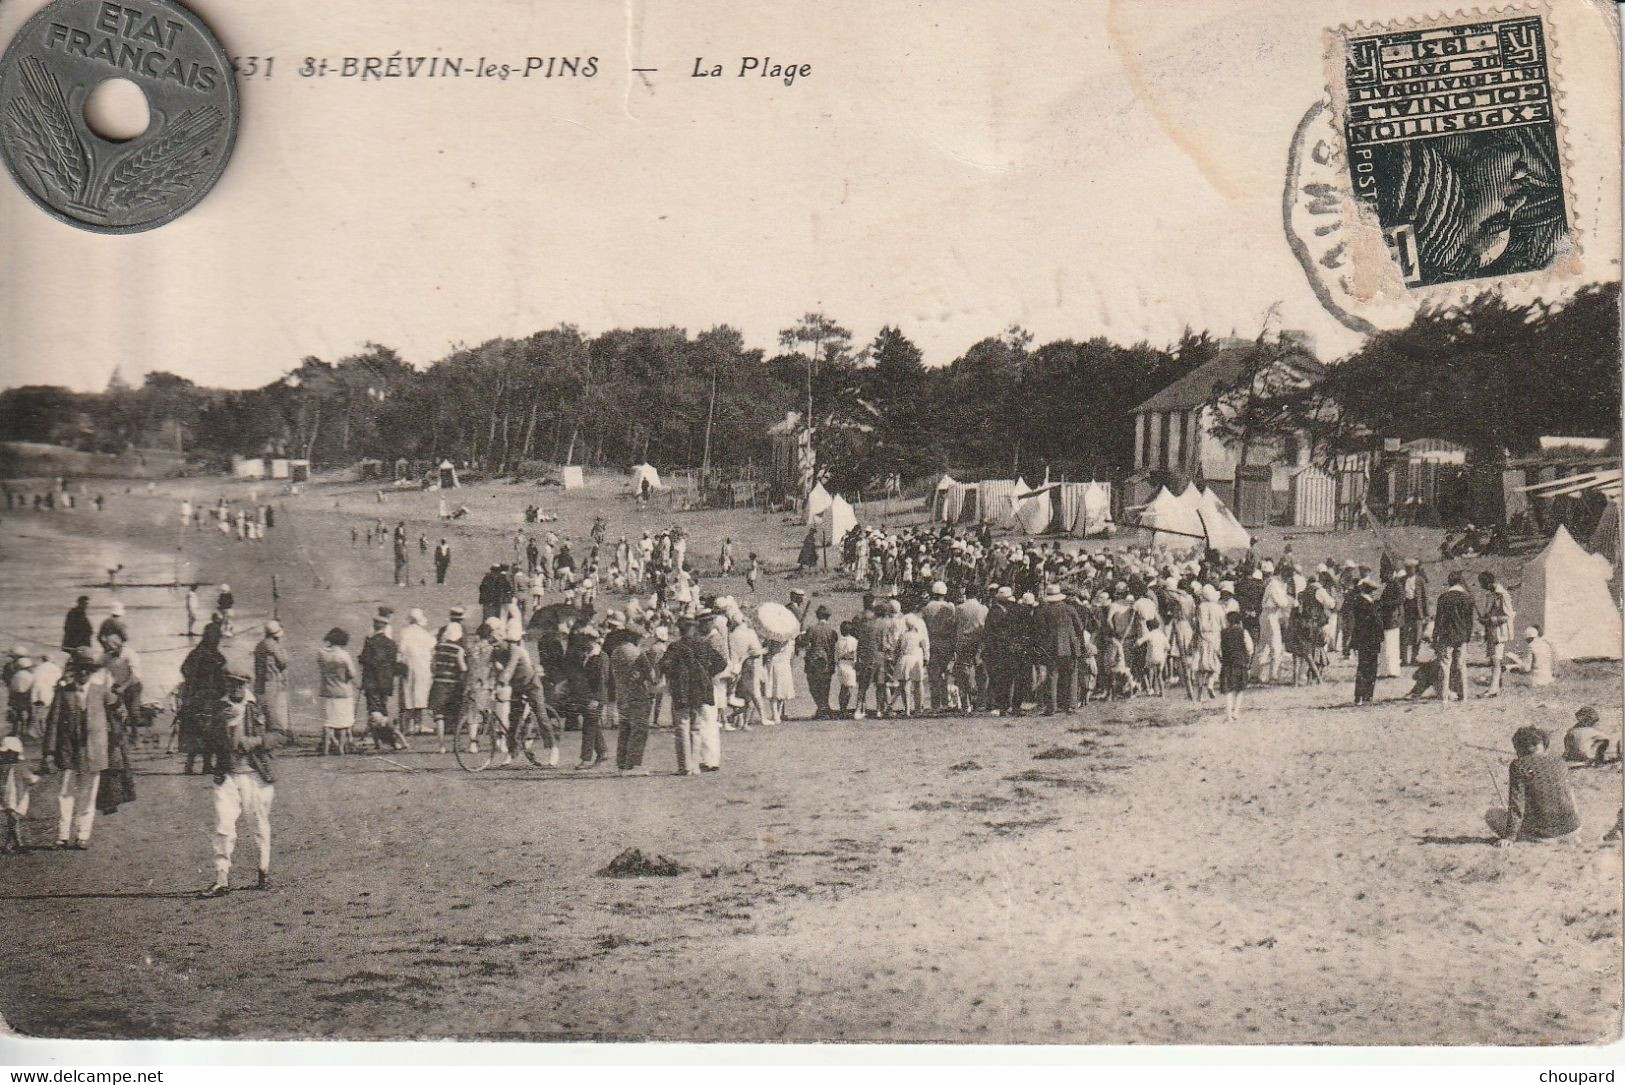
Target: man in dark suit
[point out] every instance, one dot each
(690, 667)
(1365, 617)
(495, 590)
(76, 628)
(818, 646)
(1060, 643)
(1453, 623)
(1000, 650)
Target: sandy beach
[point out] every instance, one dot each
(1137, 872)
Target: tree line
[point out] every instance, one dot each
(1490, 375)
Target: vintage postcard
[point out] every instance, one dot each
(1075, 523)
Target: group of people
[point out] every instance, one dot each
(57, 496)
(948, 624)
(1018, 618)
(246, 522)
(571, 667)
(82, 711)
(231, 711)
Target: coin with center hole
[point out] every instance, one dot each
(121, 179)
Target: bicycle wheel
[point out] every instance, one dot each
(481, 739)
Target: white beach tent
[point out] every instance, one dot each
(644, 472)
(1034, 510)
(1007, 516)
(818, 502)
(1224, 531)
(839, 520)
(1092, 508)
(1565, 592)
(1176, 526)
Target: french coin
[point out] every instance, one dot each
(61, 56)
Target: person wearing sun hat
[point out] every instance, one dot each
(690, 667)
(1367, 639)
(939, 617)
(379, 658)
(970, 621)
(336, 693)
(243, 781)
(1539, 658)
(1061, 642)
(416, 669)
(271, 678)
(77, 732)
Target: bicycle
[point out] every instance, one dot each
(483, 740)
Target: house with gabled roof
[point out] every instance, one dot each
(1174, 429)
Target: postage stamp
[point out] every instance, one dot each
(1452, 144)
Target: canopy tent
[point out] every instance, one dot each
(953, 502)
(1565, 592)
(446, 475)
(644, 472)
(1173, 523)
(1605, 536)
(839, 520)
(817, 502)
(571, 477)
(1191, 495)
(1224, 531)
(1033, 512)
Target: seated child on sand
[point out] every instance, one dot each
(1540, 805)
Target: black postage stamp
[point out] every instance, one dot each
(1453, 145)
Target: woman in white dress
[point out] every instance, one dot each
(781, 680)
(417, 656)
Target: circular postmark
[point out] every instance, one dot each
(1344, 259)
(54, 65)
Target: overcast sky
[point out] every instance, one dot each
(1079, 168)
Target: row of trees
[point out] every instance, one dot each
(1490, 375)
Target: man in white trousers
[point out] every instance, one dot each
(1274, 612)
(242, 780)
(76, 732)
